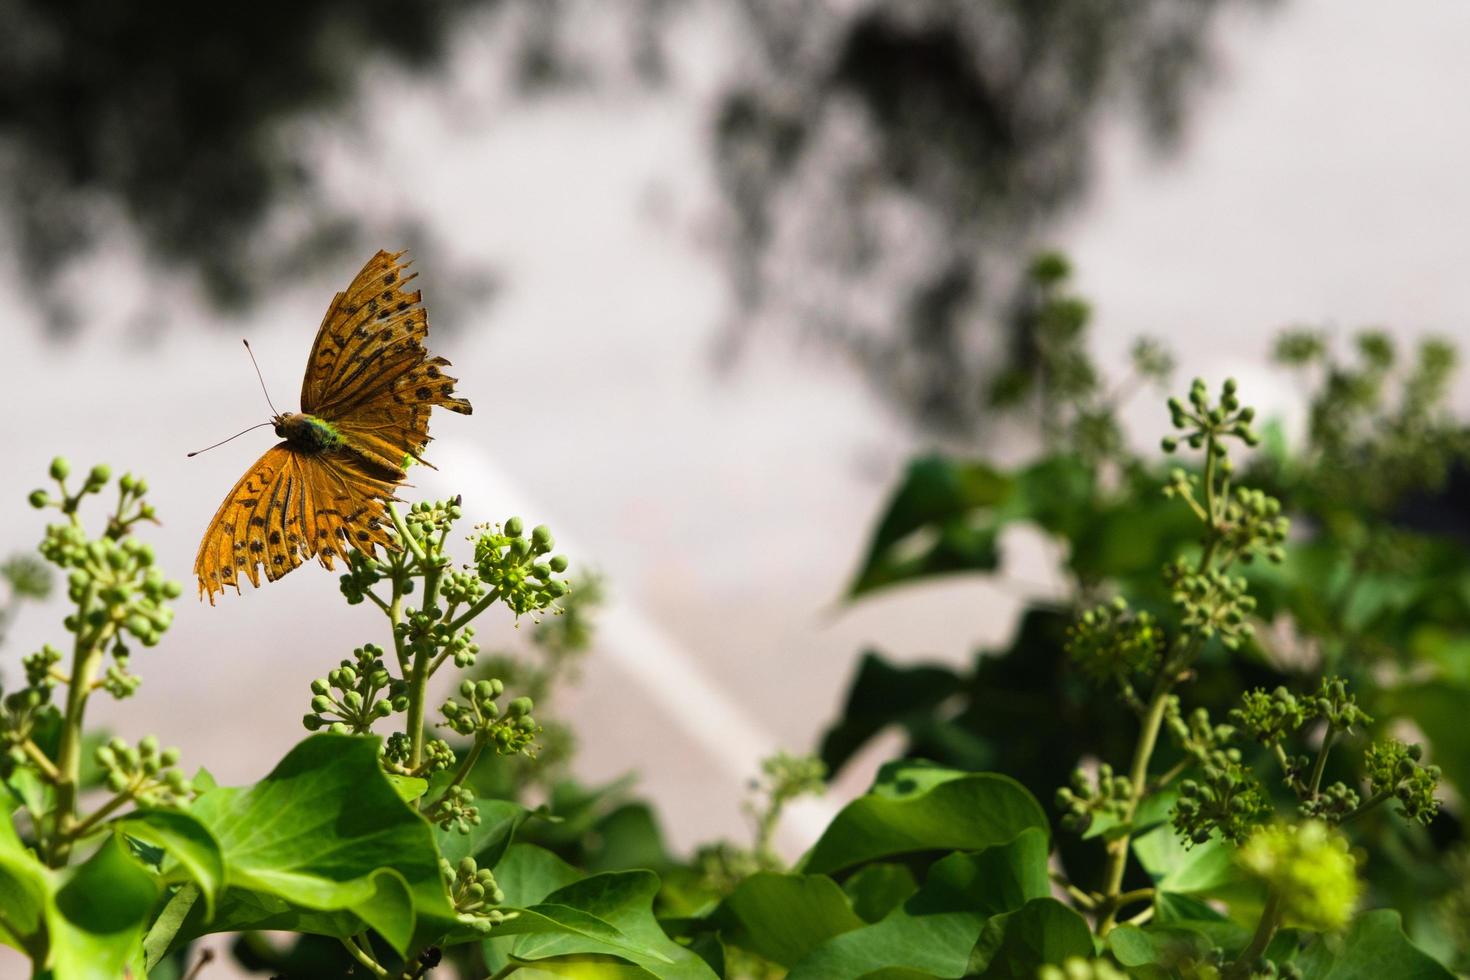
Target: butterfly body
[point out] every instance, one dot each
(365, 399)
(308, 434)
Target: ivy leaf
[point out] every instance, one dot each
(567, 923)
(488, 840)
(937, 522)
(883, 694)
(25, 887)
(935, 931)
(1043, 931)
(920, 807)
(181, 836)
(877, 889)
(782, 917)
(1375, 948)
(325, 834)
(96, 916)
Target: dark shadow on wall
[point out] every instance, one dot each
(887, 166)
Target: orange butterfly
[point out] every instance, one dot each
(365, 405)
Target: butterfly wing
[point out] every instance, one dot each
(371, 378)
(291, 506)
(369, 373)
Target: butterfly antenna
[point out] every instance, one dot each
(262, 382)
(223, 441)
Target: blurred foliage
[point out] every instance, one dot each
(1370, 589)
(884, 160)
(880, 160)
(173, 117)
(183, 121)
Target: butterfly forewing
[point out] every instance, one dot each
(370, 377)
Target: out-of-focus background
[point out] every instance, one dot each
(710, 273)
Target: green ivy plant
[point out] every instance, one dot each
(1245, 709)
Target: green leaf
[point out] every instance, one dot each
(408, 788)
(527, 874)
(25, 886)
(884, 694)
(627, 838)
(1015, 944)
(935, 931)
(1163, 945)
(96, 917)
(921, 807)
(181, 836)
(1375, 948)
(622, 901)
(487, 841)
(783, 916)
(877, 889)
(1201, 869)
(935, 523)
(326, 832)
(164, 928)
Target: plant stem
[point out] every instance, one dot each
(362, 956)
(465, 765)
(504, 971)
(1321, 763)
(1138, 776)
(86, 653)
(418, 680)
(80, 830)
(483, 603)
(1265, 931)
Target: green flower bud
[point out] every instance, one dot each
(39, 499)
(60, 468)
(513, 527)
(100, 474)
(541, 538)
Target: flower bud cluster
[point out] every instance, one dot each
(1225, 799)
(1270, 718)
(1211, 603)
(1199, 739)
(790, 776)
(509, 732)
(429, 517)
(1308, 868)
(1253, 525)
(1201, 423)
(38, 667)
(112, 579)
(21, 712)
(521, 569)
(363, 572)
(1085, 800)
(428, 632)
(475, 894)
(355, 694)
(455, 810)
(1111, 641)
(1394, 768)
(398, 747)
(145, 773)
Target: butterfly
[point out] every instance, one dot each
(365, 403)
